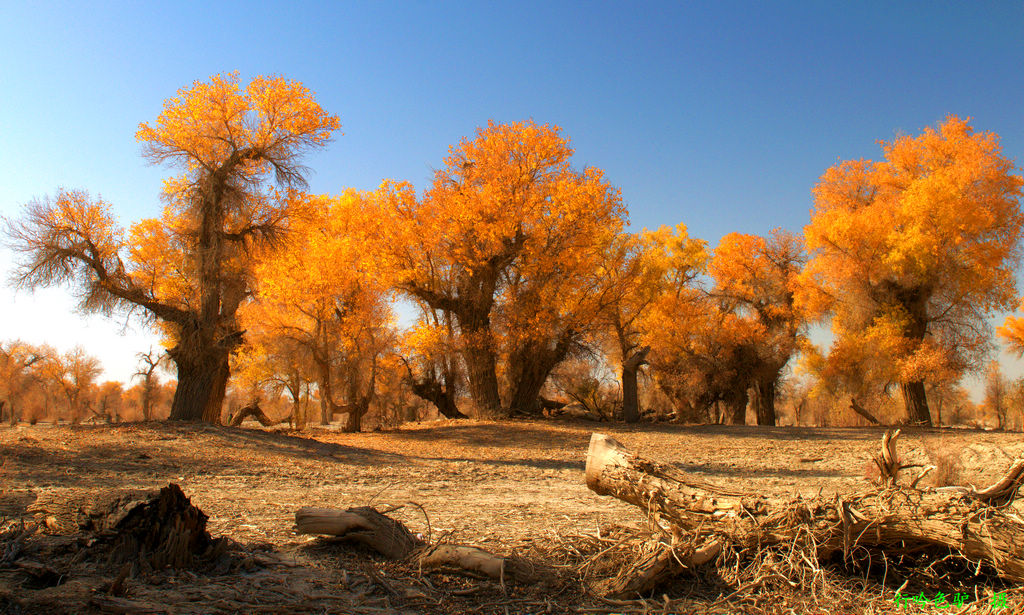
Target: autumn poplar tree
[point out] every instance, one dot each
(758, 276)
(916, 251)
(238, 150)
(19, 367)
(637, 271)
(322, 293)
(505, 203)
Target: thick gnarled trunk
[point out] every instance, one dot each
(736, 406)
(202, 383)
(442, 396)
(530, 365)
(916, 403)
(482, 373)
(630, 394)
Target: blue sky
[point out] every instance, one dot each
(720, 115)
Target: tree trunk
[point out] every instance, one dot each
(442, 397)
(897, 520)
(529, 379)
(915, 399)
(253, 410)
(530, 366)
(916, 403)
(736, 407)
(199, 395)
(482, 372)
(147, 399)
(326, 395)
(764, 399)
(630, 396)
(861, 410)
(354, 420)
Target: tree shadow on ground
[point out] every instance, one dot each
(737, 471)
(513, 434)
(540, 464)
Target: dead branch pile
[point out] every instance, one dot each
(699, 522)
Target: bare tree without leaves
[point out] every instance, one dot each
(149, 362)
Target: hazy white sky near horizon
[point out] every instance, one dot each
(721, 116)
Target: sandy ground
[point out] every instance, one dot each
(499, 485)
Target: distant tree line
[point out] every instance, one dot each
(528, 291)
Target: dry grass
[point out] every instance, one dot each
(948, 466)
(512, 488)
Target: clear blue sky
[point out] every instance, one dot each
(720, 115)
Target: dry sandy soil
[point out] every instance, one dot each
(509, 487)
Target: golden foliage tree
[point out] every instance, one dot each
(73, 374)
(916, 251)
(702, 355)
(505, 207)
(19, 368)
(322, 291)
(758, 276)
(638, 270)
(237, 148)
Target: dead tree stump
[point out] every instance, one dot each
(159, 528)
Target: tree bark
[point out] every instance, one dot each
(916, 403)
(959, 520)
(736, 406)
(630, 396)
(764, 399)
(482, 373)
(202, 383)
(441, 396)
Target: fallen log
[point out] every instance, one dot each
(363, 525)
(861, 410)
(896, 519)
(375, 530)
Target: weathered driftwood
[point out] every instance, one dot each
(476, 560)
(887, 461)
(892, 519)
(390, 538)
(363, 525)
